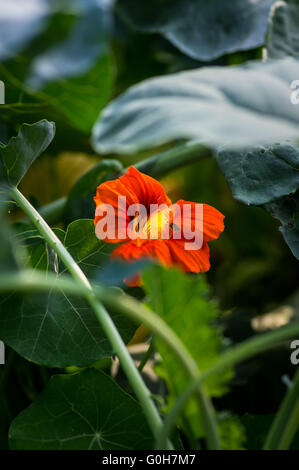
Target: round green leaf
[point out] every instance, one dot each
(80, 412)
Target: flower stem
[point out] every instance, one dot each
(286, 421)
(235, 355)
(146, 357)
(131, 308)
(135, 379)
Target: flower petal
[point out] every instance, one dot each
(210, 220)
(137, 188)
(153, 249)
(193, 261)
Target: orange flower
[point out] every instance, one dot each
(155, 228)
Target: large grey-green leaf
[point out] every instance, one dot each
(21, 151)
(20, 23)
(82, 411)
(58, 329)
(235, 106)
(261, 175)
(283, 36)
(287, 211)
(269, 177)
(202, 29)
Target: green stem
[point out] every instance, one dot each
(235, 355)
(286, 421)
(141, 391)
(146, 357)
(155, 166)
(171, 159)
(130, 307)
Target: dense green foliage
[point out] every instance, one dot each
(202, 96)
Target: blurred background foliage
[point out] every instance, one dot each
(254, 273)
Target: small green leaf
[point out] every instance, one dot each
(89, 252)
(21, 151)
(283, 35)
(201, 29)
(236, 106)
(80, 412)
(80, 202)
(183, 303)
(231, 431)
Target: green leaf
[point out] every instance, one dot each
(201, 29)
(39, 255)
(287, 211)
(67, 74)
(11, 253)
(237, 106)
(86, 42)
(80, 202)
(262, 174)
(75, 75)
(89, 252)
(57, 329)
(80, 98)
(283, 35)
(267, 176)
(21, 151)
(232, 436)
(183, 303)
(82, 411)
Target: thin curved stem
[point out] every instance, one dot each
(236, 355)
(146, 357)
(135, 379)
(133, 309)
(286, 421)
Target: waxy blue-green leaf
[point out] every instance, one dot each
(283, 35)
(269, 177)
(287, 211)
(85, 411)
(21, 151)
(237, 106)
(262, 174)
(201, 29)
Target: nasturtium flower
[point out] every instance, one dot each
(135, 212)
